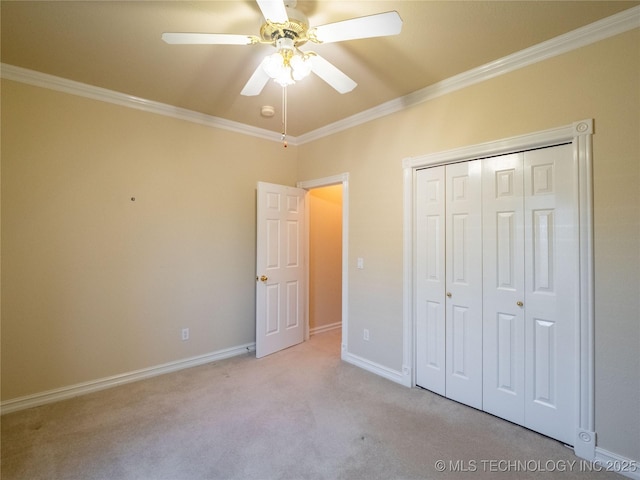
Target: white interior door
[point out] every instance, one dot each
(280, 276)
(463, 253)
(551, 290)
(503, 287)
(430, 279)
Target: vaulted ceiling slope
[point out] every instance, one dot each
(118, 46)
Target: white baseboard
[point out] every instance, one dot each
(64, 393)
(381, 370)
(325, 328)
(615, 463)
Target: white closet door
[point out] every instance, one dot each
(464, 282)
(503, 288)
(430, 279)
(509, 254)
(551, 298)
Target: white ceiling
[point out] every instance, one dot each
(117, 46)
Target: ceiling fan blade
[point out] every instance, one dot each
(257, 81)
(206, 39)
(378, 25)
(331, 74)
(273, 10)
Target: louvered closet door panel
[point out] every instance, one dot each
(551, 300)
(503, 287)
(430, 279)
(464, 282)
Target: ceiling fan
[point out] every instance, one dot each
(287, 29)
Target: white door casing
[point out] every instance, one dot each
(341, 179)
(280, 274)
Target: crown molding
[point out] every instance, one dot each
(581, 37)
(600, 30)
(38, 79)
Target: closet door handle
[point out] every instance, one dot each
(449, 294)
(519, 303)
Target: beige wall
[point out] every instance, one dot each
(95, 284)
(600, 81)
(325, 256)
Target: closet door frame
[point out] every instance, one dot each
(579, 135)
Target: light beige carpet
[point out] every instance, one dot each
(299, 414)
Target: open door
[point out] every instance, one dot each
(280, 276)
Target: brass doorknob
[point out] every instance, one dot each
(449, 294)
(519, 303)
(264, 278)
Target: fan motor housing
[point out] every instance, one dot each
(296, 28)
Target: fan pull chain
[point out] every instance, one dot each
(284, 116)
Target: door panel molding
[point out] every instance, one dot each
(430, 327)
(463, 273)
(579, 135)
(504, 373)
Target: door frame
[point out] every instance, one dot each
(579, 135)
(340, 179)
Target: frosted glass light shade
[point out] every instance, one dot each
(286, 73)
(301, 67)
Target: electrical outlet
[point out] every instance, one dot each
(185, 334)
(365, 335)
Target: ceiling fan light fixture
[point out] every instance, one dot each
(277, 68)
(287, 29)
(288, 64)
